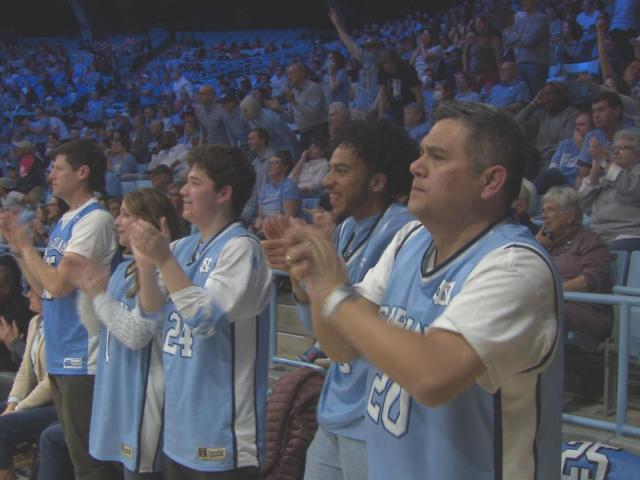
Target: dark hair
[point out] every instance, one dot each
(389, 55)
(123, 139)
(338, 58)
(613, 100)
(494, 138)
(263, 134)
(61, 204)
(10, 273)
(575, 30)
(226, 166)
(286, 158)
(384, 148)
(321, 142)
(86, 152)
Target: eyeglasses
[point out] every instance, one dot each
(621, 148)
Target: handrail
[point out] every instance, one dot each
(620, 426)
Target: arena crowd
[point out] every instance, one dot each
(481, 159)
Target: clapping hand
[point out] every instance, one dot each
(312, 258)
(148, 243)
(87, 275)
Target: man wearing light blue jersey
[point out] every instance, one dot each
(84, 232)
(459, 319)
(215, 348)
(368, 170)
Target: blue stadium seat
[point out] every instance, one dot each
(633, 281)
(128, 186)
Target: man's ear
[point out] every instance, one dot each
(378, 183)
(494, 179)
(224, 194)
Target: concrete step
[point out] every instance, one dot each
(288, 321)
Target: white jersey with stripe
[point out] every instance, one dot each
(215, 353)
(502, 293)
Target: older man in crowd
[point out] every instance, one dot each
(307, 103)
(210, 117)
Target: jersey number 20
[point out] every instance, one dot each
(389, 404)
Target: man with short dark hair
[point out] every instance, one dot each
(606, 112)
(369, 172)
(459, 320)
(84, 232)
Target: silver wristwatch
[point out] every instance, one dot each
(334, 299)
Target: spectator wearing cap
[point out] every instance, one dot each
(30, 170)
(171, 154)
(10, 198)
(161, 178)
(529, 36)
(237, 125)
(210, 117)
(511, 94)
(281, 137)
(548, 119)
